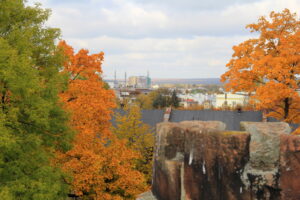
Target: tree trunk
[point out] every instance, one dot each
(286, 108)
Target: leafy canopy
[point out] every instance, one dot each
(32, 122)
(268, 67)
(101, 166)
(139, 136)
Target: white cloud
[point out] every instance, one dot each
(134, 16)
(197, 57)
(170, 38)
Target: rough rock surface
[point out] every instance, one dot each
(261, 174)
(198, 160)
(213, 164)
(290, 167)
(192, 162)
(168, 160)
(146, 196)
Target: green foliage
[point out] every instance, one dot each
(174, 100)
(165, 98)
(106, 85)
(32, 123)
(139, 136)
(158, 99)
(161, 101)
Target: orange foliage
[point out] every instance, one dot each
(268, 67)
(193, 107)
(100, 165)
(297, 131)
(238, 107)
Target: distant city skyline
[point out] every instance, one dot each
(169, 38)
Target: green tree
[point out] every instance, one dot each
(174, 100)
(139, 136)
(32, 123)
(160, 101)
(161, 98)
(106, 85)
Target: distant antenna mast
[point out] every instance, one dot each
(125, 79)
(115, 81)
(148, 80)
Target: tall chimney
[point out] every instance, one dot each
(115, 81)
(125, 80)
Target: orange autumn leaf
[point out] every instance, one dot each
(297, 131)
(268, 67)
(101, 166)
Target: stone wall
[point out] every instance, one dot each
(199, 160)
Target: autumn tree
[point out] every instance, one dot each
(144, 101)
(139, 136)
(101, 166)
(32, 123)
(268, 67)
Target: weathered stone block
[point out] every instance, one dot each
(290, 167)
(168, 160)
(261, 174)
(198, 160)
(265, 142)
(213, 164)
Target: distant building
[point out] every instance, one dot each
(188, 103)
(231, 100)
(130, 93)
(139, 82)
(156, 86)
(207, 104)
(200, 98)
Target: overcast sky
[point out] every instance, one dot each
(170, 38)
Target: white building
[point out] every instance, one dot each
(188, 103)
(200, 98)
(231, 100)
(156, 86)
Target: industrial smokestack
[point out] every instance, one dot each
(125, 80)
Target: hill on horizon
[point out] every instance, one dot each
(207, 81)
(159, 81)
